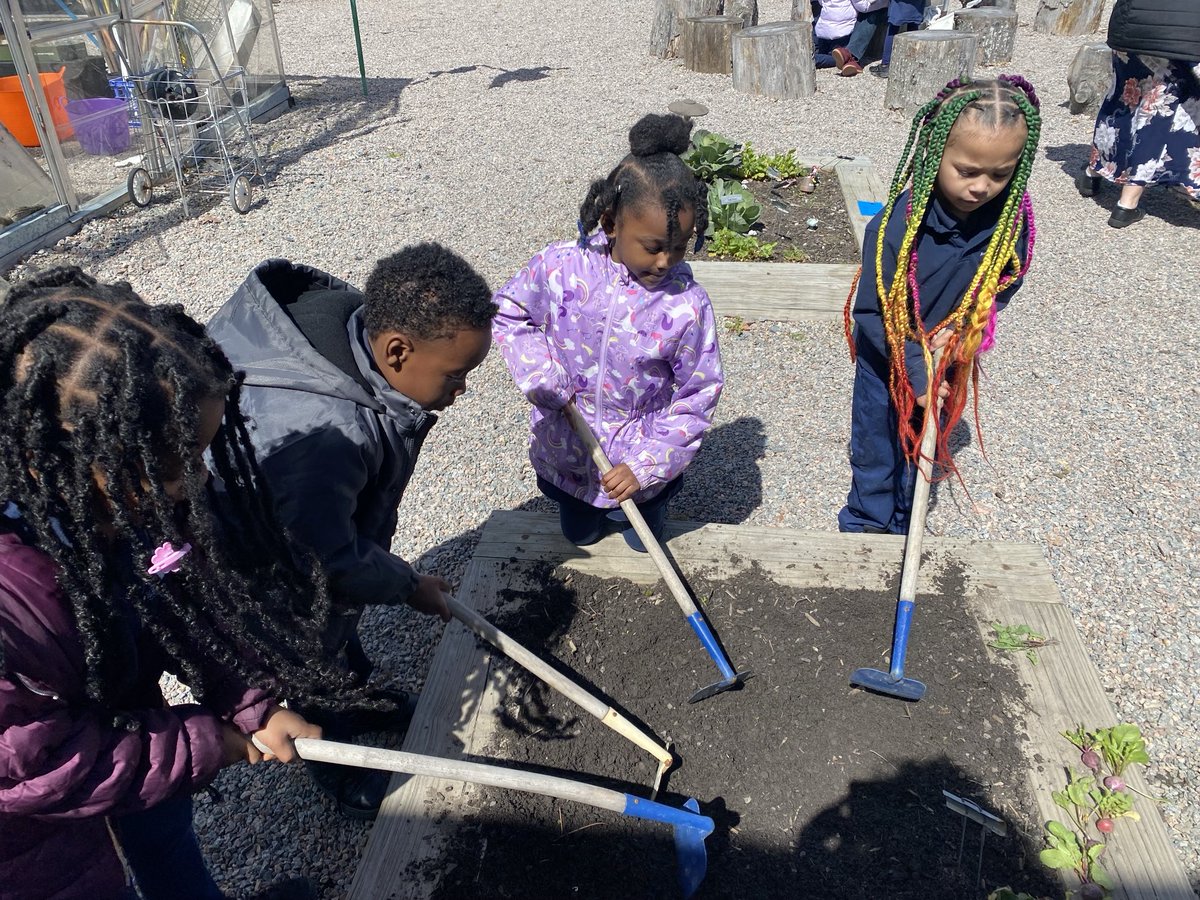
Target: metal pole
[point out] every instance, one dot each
(362, 68)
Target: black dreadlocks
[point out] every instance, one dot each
(652, 173)
(101, 395)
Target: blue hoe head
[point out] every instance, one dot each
(718, 687)
(887, 684)
(690, 854)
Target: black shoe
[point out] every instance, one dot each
(358, 793)
(879, 71)
(299, 887)
(1122, 217)
(1086, 184)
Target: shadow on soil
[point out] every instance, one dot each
(867, 844)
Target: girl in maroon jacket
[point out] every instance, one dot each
(117, 565)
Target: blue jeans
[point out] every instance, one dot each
(864, 32)
(823, 52)
(584, 524)
(162, 851)
(882, 480)
(892, 31)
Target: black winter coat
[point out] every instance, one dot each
(1169, 28)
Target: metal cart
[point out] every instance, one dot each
(195, 119)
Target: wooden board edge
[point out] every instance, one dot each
(1063, 691)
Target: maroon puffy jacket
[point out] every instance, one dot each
(64, 767)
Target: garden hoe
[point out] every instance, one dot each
(729, 678)
(893, 683)
(690, 827)
(565, 686)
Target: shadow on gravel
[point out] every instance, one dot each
(723, 484)
(1161, 201)
(506, 76)
(334, 112)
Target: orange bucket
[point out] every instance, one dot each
(14, 112)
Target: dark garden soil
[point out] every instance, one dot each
(786, 210)
(817, 790)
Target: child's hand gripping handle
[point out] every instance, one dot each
(665, 569)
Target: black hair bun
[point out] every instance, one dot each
(654, 134)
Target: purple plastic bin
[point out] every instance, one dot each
(101, 124)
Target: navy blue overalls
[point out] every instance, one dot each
(949, 253)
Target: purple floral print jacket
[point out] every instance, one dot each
(643, 366)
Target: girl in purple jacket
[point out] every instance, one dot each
(615, 322)
(116, 565)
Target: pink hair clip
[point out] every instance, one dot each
(166, 558)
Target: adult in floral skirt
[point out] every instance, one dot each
(1148, 128)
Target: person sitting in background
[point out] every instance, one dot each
(831, 29)
(872, 15)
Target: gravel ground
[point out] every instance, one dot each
(484, 124)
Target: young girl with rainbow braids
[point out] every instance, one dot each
(943, 257)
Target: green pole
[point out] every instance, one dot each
(362, 68)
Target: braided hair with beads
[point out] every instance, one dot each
(1008, 101)
(102, 395)
(652, 173)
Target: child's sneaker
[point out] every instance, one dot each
(879, 71)
(847, 65)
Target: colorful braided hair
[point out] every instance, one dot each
(1002, 102)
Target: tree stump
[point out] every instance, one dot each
(746, 10)
(923, 62)
(995, 32)
(802, 11)
(668, 18)
(1090, 78)
(1068, 17)
(704, 43)
(775, 60)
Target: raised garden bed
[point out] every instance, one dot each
(834, 803)
(803, 291)
(784, 222)
(811, 783)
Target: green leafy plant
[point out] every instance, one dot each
(1067, 849)
(1094, 800)
(727, 244)
(713, 156)
(775, 166)
(736, 325)
(1119, 747)
(1019, 638)
(731, 206)
(1007, 893)
(794, 255)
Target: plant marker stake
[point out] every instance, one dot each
(689, 826)
(973, 812)
(893, 683)
(729, 678)
(548, 674)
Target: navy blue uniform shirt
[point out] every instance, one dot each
(949, 253)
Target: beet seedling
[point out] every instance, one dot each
(1018, 638)
(1094, 800)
